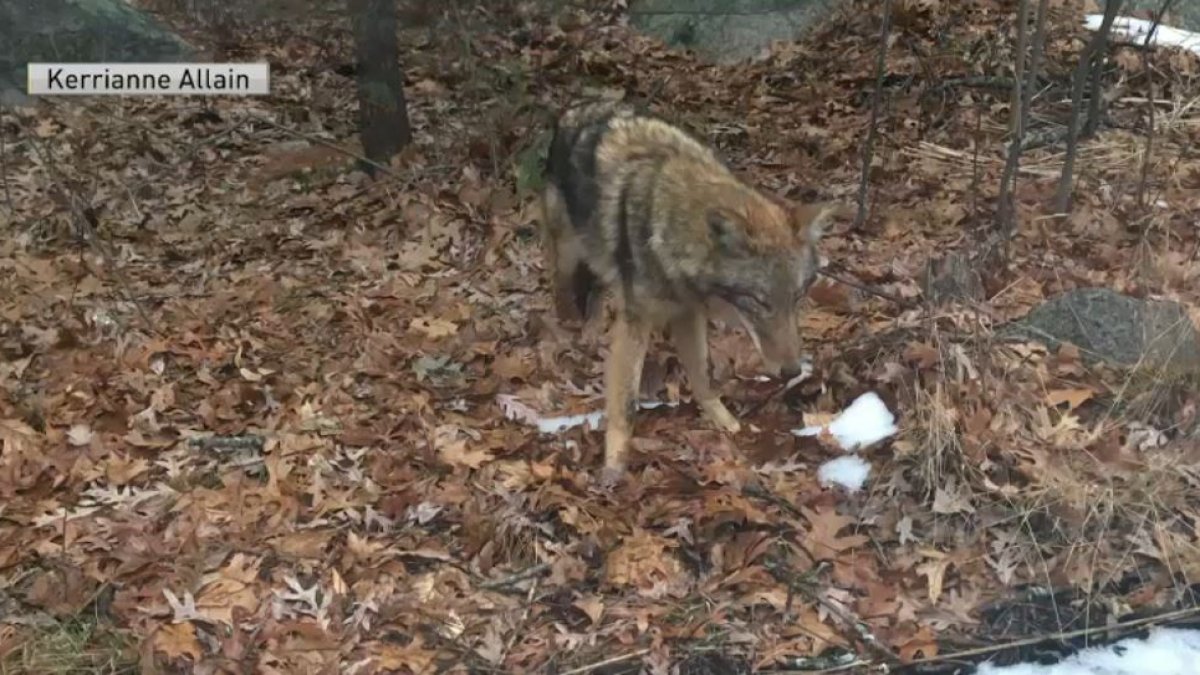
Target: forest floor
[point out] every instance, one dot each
(261, 413)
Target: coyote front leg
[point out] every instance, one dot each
(689, 332)
(623, 378)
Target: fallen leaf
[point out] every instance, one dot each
(79, 434)
(1072, 397)
(922, 355)
(592, 606)
(934, 571)
(433, 328)
(177, 640)
(823, 539)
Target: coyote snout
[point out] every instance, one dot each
(766, 291)
(640, 207)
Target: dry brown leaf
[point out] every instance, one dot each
(934, 571)
(452, 448)
(921, 354)
(592, 606)
(414, 656)
(922, 643)
(643, 560)
(432, 328)
(823, 539)
(177, 640)
(1072, 397)
(310, 544)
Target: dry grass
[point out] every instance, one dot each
(1059, 507)
(78, 645)
(939, 451)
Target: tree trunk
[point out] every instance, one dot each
(383, 112)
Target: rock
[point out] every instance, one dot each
(727, 30)
(77, 31)
(1117, 328)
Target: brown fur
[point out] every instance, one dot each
(636, 205)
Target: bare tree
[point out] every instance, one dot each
(383, 111)
(1023, 91)
(885, 31)
(8, 198)
(1091, 65)
(1150, 98)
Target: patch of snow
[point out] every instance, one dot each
(554, 425)
(866, 421)
(1136, 30)
(849, 471)
(1165, 651)
(518, 411)
(862, 423)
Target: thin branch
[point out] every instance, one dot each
(87, 225)
(808, 584)
(975, 162)
(1005, 216)
(518, 577)
(1145, 170)
(885, 32)
(621, 658)
(869, 290)
(8, 198)
(382, 168)
(1089, 59)
(864, 633)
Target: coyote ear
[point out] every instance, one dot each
(727, 232)
(810, 220)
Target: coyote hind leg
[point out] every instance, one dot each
(573, 284)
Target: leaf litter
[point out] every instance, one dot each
(389, 350)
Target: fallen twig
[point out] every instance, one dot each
(607, 662)
(1061, 637)
(229, 443)
(806, 584)
(518, 577)
(906, 304)
(382, 168)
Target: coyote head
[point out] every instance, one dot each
(765, 275)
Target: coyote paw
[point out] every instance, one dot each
(720, 416)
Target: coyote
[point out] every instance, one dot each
(636, 205)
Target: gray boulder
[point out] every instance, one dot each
(1117, 328)
(727, 31)
(78, 31)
